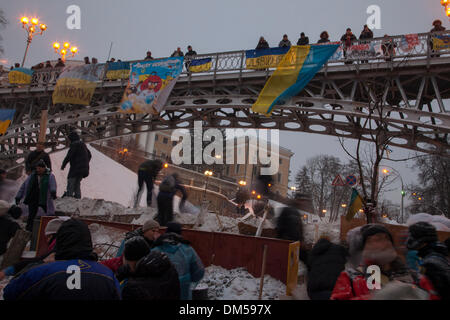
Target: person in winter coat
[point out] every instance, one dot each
(50, 237)
(35, 156)
(78, 156)
(347, 40)
(149, 231)
(378, 249)
(8, 226)
(52, 281)
(149, 275)
(147, 172)
(324, 37)
(434, 263)
(284, 42)
(189, 56)
(262, 44)
(326, 261)
(303, 40)
(186, 261)
(437, 26)
(167, 190)
(366, 33)
(39, 190)
(177, 53)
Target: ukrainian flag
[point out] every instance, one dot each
(441, 42)
(356, 203)
(20, 76)
(293, 73)
(6, 117)
(264, 58)
(118, 70)
(200, 65)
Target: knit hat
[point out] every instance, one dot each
(136, 248)
(174, 227)
(372, 229)
(421, 233)
(150, 224)
(73, 136)
(15, 212)
(4, 207)
(41, 163)
(53, 226)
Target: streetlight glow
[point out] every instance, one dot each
(56, 46)
(66, 45)
(166, 165)
(34, 21)
(43, 27)
(242, 182)
(30, 30)
(24, 20)
(343, 205)
(444, 2)
(74, 50)
(258, 196)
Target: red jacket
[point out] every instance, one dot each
(113, 263)
(356, 288)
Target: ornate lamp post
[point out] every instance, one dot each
(30, 27)
(402, 192)
(64, 50)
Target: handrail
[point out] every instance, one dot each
(379, 49)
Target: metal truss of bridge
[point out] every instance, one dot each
(411, 87)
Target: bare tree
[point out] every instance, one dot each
(3, 23)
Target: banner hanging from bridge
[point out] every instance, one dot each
(200, 65)
(441, 42)
(264, 58)
(76, 84)
(118, 70)
(150, 85)
(6, 118)
(20, 76)
(294, 72)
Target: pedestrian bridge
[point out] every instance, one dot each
(352, 98)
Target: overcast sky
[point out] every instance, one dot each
(135, 26)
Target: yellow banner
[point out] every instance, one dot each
(292, 272)
(264, 62)
(75, 91)
(4, 125)
(117, 74)
(18, 77)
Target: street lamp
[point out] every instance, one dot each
(208, 174)
(30, 28)
(402, 192)
(65, 49)
(242, 183)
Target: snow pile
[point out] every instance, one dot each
(106, 240)
(238, 284)
(312, 233)
(441, 223)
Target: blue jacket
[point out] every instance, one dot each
(184, 258)
(49, 282)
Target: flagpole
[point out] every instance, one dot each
(109, 54)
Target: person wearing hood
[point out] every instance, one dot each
(433, 263)
(186, 261)
(58, 280)
(8, 226)
(167, 190)
(50, 237)
(148, 275)
(38, 191)
(378, 250)
(78, 156)
(325, 262)
(284, 42)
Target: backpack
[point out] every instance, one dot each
(168, 184)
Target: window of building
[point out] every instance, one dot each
(165, 140)
(279, 177)
(228, 170)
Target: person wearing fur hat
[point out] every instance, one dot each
(377, 249)
(78, 156)
(8, 226)
(437, 27)
(150, 275)
(39, 191)
(433, 263)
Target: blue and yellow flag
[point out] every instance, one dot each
(6, 118)
(293, 73)
(441, 42)
(264, 58)
(76, 84)
(200, 65)
(118, 70)
(356, 203)
(20, 76)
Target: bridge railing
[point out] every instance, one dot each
(383, 49)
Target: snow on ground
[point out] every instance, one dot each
(441, 223)
(108, 179)
(238, 284)
(106, 240)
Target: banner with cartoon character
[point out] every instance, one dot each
(150, 85)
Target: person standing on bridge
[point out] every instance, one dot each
(79, 157)
(284, 42)
(437, 27)
(178, 53)
(262, 44)
(35, 156)
(39, 190)
(324, 37)
(167, 190)
(303, 40)
(149, 56)
(189, 56)
(147, 172)
(347, 40)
